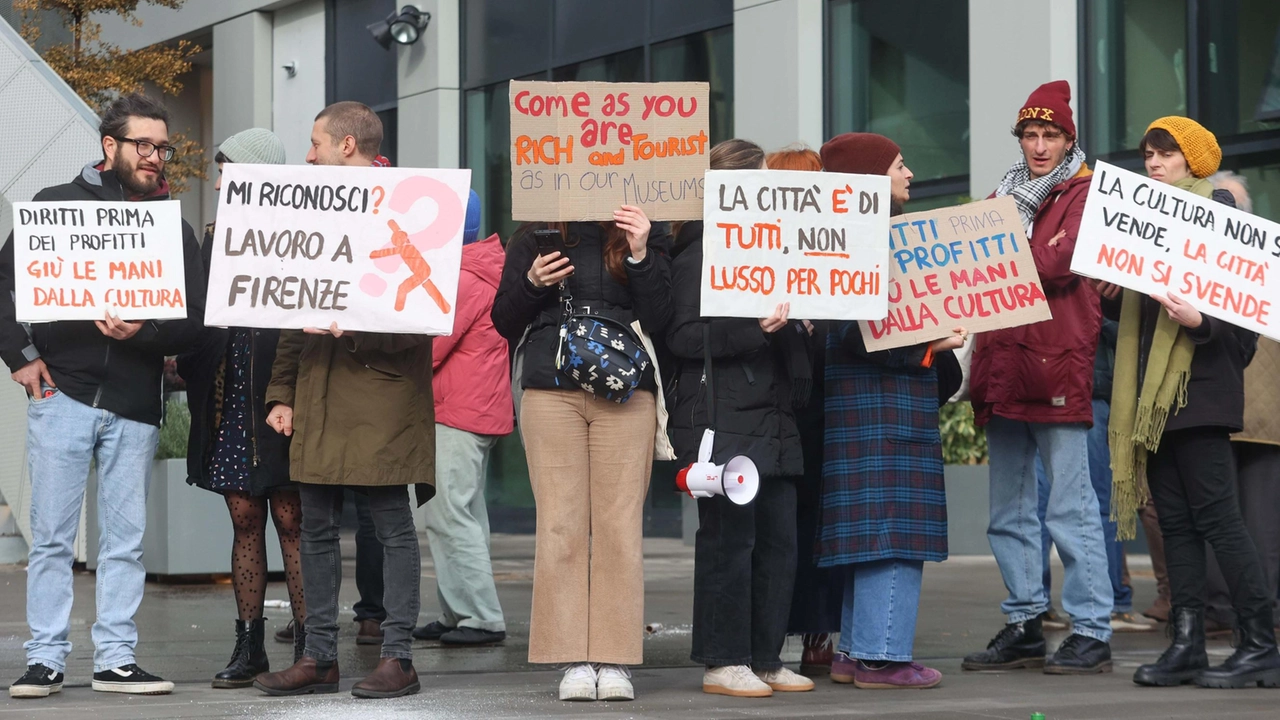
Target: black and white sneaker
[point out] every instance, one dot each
(40, 681)
(130, 679)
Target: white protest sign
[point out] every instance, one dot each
(815, 239)
(79, 260)
(372, 249)
(1152, 237)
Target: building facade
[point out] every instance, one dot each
(942, 77)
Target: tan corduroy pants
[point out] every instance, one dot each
(589, 463)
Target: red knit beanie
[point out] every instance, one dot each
(859, 153)
(1051, 102)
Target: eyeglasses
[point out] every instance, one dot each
(147, 149)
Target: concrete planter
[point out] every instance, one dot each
(188, 528)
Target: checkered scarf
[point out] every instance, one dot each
(1029, 193)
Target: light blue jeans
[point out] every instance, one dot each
(881, 600)
(457, 524)
(63, 437)
(1072, 517)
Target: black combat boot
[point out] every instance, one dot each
(1185, 658)
(248, 660)
(1255, 661)
(1018, 645)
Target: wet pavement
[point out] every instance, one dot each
(186, 636)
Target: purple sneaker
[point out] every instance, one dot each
(894, 676)
(843, 668)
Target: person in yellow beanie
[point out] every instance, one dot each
(1191, 473)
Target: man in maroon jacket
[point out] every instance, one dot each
(1032, 388)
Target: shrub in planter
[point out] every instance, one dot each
(962, 442)
(174, 430)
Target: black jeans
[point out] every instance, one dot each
(368, 564)
(1258, 486)
(1193, 481)
(322, 566)
(744, 571)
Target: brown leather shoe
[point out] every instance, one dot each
(392, 678)
(369, 633)
(302, 678)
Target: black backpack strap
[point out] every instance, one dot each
(706, 372)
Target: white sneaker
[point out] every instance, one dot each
(1129, 622)
(735, 681)
(613, 683)
(579, 682)
(783, 680)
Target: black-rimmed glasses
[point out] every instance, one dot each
(147, 149)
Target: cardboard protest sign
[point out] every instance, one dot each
(815, 239)
(579, 150)
(1152, 237)
(373, 249)
(969, 265)
(79, 260)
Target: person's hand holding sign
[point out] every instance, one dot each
(633, 221)
(1109, 291)
(117, 329)
(777, 320)
(1180, 311)
(333, 330)
(30, 376)
(955, 341)
(280, 419)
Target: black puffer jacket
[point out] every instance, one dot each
(752, 375)
(269, 464)
(518, 306)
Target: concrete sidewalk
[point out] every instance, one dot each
(186, 636)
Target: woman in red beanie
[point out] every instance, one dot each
(884, 505)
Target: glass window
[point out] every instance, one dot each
(707, 57)
(1241, 81)
(900, 68)
(359, 68)
(587, 28)
(1269, 103)
(504, 39)
(1262, 173)
(625, 66)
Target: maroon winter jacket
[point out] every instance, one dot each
(1043, 372)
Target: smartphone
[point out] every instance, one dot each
(549, 240)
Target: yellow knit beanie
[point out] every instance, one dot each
(1199, 146)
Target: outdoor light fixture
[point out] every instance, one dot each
(403, 27)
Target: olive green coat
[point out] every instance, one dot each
(363, 412)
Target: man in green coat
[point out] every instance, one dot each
(363, 413)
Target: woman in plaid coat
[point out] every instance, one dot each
(884, 506)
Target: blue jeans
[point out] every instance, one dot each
(1072, 517)
(1100, 474)
(881, 600)
(63, 437)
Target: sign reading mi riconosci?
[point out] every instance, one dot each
(581, 150)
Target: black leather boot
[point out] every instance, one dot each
(248, 660)
(299, 641)
(1255, 661)
(1018, 645)
(1185, 658)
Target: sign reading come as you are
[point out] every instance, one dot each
(372, 249)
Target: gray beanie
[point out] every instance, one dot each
(255, 145)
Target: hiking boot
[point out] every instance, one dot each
(874, 675)
(783, 680)
(39, 681)
(369, 632)
(1255, 661)
(1017, 645)
(433, 630)
(1128, 622)
(1051, 620)
(285, 634)
(248, 659)
(844, 669)
(1080, 655)
(1185, 657)
(579, 682)
(1159, 610)
(819, 652)
(304, 677)
(734, 681)
(130, 680)
(472, 636)
(394, 677)
(613, 682)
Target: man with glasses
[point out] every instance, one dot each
(94, 393)
(1032, 388)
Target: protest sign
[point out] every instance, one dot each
(373, 249)
(579, 150)
(815, 239)
(1152, 237)
(79, 260)
(966, 266)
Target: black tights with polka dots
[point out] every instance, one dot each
(249, 549)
